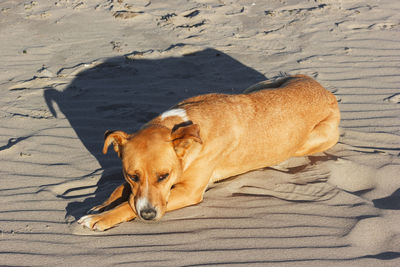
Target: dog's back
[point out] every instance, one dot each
(266, 125)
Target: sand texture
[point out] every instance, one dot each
(71, 69)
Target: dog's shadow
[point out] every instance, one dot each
(123, 93)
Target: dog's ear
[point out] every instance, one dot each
(184, 137)
(117, 138)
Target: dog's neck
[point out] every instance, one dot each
(171, 120)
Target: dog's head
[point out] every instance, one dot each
(153, 160)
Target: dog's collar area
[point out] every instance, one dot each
(175, 112)
(182, 124)
(174, 128)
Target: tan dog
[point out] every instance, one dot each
(168, 164)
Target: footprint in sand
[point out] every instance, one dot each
(374, 235)
(189, 20)
(125, 14)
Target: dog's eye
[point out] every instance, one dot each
(134, 178)
(163, 177)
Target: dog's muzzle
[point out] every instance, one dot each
(148, 213)
(145, 210)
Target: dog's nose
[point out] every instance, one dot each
(148, 213)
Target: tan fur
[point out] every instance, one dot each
(229, 135)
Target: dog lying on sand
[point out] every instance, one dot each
(169, 163)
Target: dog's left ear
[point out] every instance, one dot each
(184, 137)
(117, 138)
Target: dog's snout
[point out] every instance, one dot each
(148, 213)
(146, 210)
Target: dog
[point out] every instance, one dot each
(169, 163)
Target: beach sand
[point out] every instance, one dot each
(71, 69)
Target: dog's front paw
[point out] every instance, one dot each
(94, 222)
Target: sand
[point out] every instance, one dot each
(71, 69)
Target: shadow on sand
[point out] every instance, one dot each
(123, 94)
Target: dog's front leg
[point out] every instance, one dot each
(191, 188)
(120, 194)
(182, 195)
(108, 219)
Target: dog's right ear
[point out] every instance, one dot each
(184, 137)
(117, 138)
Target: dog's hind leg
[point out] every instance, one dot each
(120, 194)
(324, 135)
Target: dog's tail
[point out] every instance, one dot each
(275, 82)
